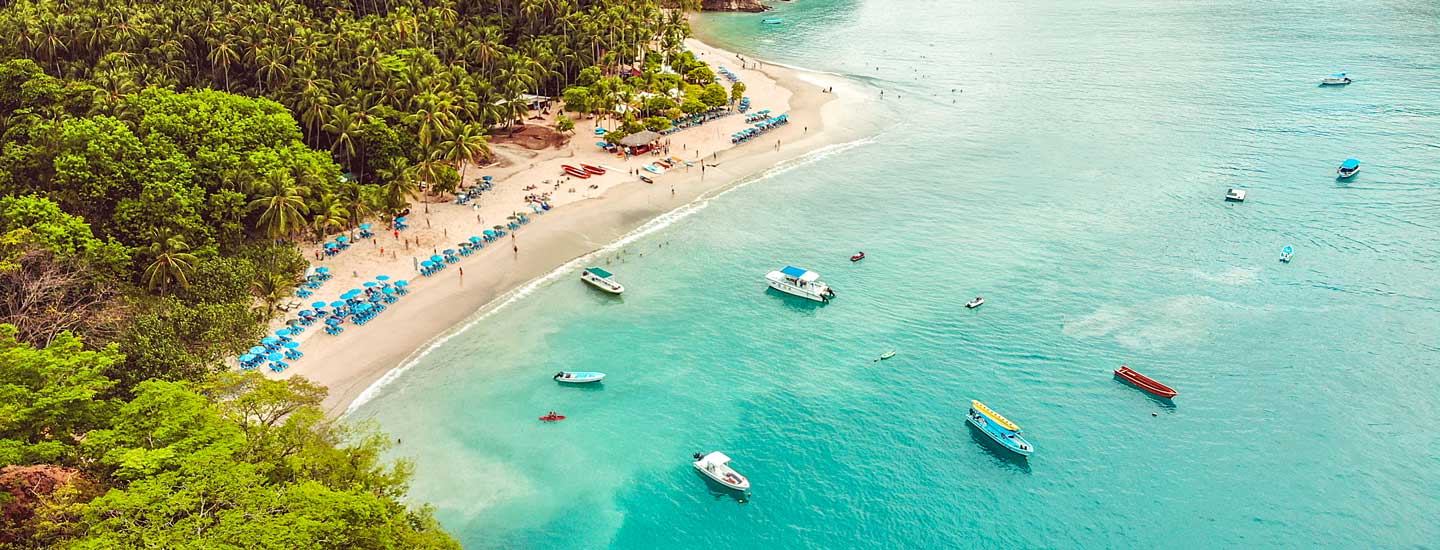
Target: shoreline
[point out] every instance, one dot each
(356, 365)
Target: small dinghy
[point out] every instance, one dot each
(887, 355)
(772, 21)
(977, 302)
(1235, 195)
(1337, 79)
(646, 180)
(716, 466)
(1286, 253)
(1145, 382)
(552, 417)
(1348, 168)
(578, 377)
(593, 170)
(857, 257)
(576, 172)
(653, 169)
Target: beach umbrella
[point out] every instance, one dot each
(387, 290)
(276, 357)
(257, 350)
(426, 263)
(489, 232)
(474, 240)
(269, 340)
(499, 228)
(400, 219)
(402, 283)
(247, 358)
(318, 305)
(284, 332)
(364, 227)
(331, 245)
(351, 293)
(486, 178)
(363, 306)
(332, 321)
(437, 258)
(306, 313)
(337, 303)
(341, 239)
(382, 277)
(371, 284)
(322, 270)
(291, 345)
(449, 251)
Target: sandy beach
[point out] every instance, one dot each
(582, 220)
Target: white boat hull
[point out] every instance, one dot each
(602, 284)
(722, 473)
(797, 291)
(579, 378)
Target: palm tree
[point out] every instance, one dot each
(283, 204)
(465, 146)
(273, 288)
(222, 54)
(172, 262)
(343, 126)
(401, 186)
(330, 215)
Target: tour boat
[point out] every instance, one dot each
(593, 170)
(977, 302)
(1286, 253)
(1235, 195)
(552, 417)
(1337, 79)
(716, 466)
(799, 282)
(1145, 382)
(602, 280)
(1348, 168)
(999, 428)
(857, 257)
(573, 171)
(569, 377)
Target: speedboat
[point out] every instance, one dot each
(1235, 195)
(602, 280)
(552, 417)
(1337, 79)
(799, 282)
(857, 257)
(1348, 168)
(1145, 382)
(1286, 253)
(977, 302)
(999, 428)
(716, 466)
(578, 377)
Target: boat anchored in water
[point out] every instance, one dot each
(999, 428)
(716, 466)
(569, 377)
(977, 302)
(1337, 79)
(602, 280)
(799, 282)
(858, 256)
(1348, 168)
(1145, 382)
(1286, 253)
(1235, 195)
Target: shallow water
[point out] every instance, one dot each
(1075, 182)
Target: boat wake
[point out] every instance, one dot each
(658, 223)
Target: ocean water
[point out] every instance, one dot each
(1067, 161)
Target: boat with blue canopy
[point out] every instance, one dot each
(1286, 253)
(601, 279)
(800, 282)
(999, 428)
(1348, 168)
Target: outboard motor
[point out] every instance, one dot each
(698, 456)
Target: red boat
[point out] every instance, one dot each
(575, 171)
(857, 257)
(553, 417)
(1145, 382)
(593, 170)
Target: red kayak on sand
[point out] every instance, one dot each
(571, 170)
(1145, 382)
(592, 169)
(553, 417)
(857, 257)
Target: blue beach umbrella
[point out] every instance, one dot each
(426, 263)
(387, 290)
(306, 313)
(331, 245)
(489, 232)
(271, 340)
(350, 293)
(258, 350)
(370, 284)
(276, 357)
(475, 240)
(318, 305)
(382, 277)
(364, 227)
(284, 332)
(322, 270)
(402, 283)
(337, 303)
(291, 345)
(341, 239)
(437, 258)
(332, 321)
(400, 219)
(449, 251)
(364, 306)
(486, 178)
(247, 358)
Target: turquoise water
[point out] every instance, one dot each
(1076, 183)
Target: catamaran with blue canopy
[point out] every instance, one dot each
(800, 282)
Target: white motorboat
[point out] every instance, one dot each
(799, 282)
(1337, 79)
(569, 377)
(716, 466)
(601, 279)
(977, 302)
(1236, 195)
